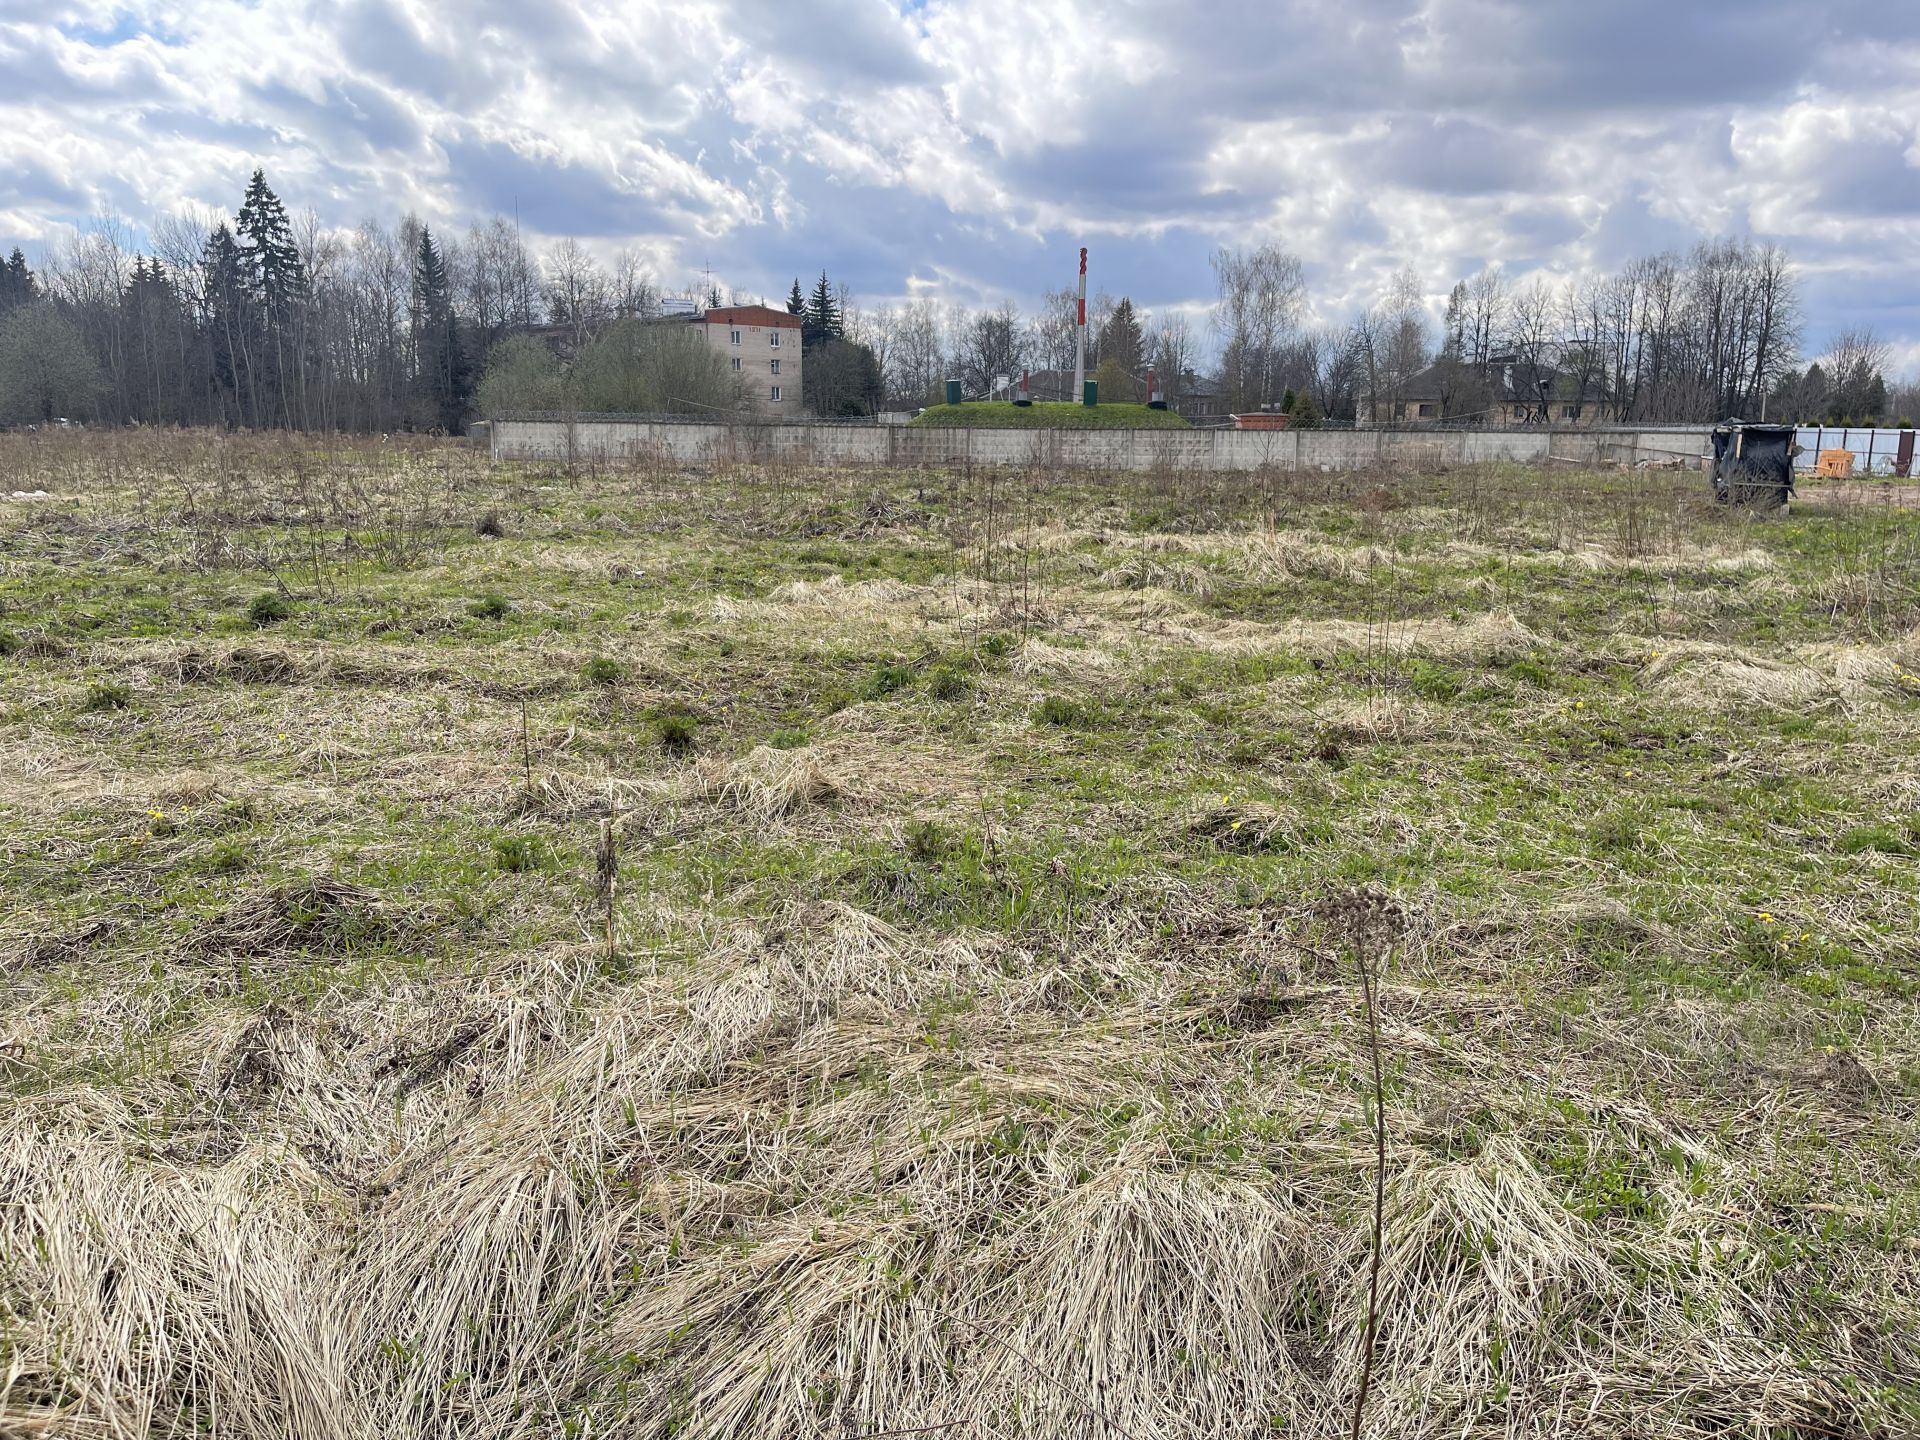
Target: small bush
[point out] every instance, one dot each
(1531, 671)
(790, 740)
(9, 643)
(107, 695)
(927, 840)
(1434, 682)
(948, 682)
(489, 525)
(517, 854)
(1060, 711)
(268, 608)
(229, 856)
(885, 680)
(490, 607)
(676, 732)
(602, 671)
(997, 645)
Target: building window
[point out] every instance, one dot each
(773, 338)
(736, 362)
(1427, 412)
(1566, 412)
(733, 337)
(776, 366)
(773, 393)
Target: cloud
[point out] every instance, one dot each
(965, 150)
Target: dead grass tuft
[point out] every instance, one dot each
(768, 784)
(319, 915)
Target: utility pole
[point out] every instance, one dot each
(1080, 336)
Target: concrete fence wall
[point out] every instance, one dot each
(1148, 450)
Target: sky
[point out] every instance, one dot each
(964, 151)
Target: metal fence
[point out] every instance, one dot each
(1875, 451)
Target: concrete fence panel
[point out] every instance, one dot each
(713, 446)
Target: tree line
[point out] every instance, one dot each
(268, 319)
(1700, 337)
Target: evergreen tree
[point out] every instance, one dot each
(17, 286)
(154, 323)
(1120, 338)
(796, 302)
(277, 283)
(229, 324)
(440, 369)
(274, 270)
(821, 320)
(1876, 399)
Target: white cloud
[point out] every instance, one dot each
(965, 148)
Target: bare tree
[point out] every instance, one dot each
(1171, 349)
(1533, 342)
(1260, 297)
(500, 282)
(579, 292)
(913, 370)
(992, 343)
(635, 296)
(1855, 363)
(1053, 330)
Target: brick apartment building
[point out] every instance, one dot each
(763, 345)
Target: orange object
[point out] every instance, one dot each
(1262, 420)
(1835, 464)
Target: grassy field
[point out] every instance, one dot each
(1046, 415)
(501, 952)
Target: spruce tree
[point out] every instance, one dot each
(1120, 339)
(821, 320)
(230, 327)
(277, 282)
(796, 302)
(274, 268)
(440, 372)
(17, 285)
(151, 306)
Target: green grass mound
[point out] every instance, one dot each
(1046, 415)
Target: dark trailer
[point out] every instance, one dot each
(1753, 464)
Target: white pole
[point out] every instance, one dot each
(1080, 336)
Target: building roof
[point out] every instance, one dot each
(749, 315)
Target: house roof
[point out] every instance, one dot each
(750, 315)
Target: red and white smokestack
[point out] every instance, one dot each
(1080, 335)
(1151, 397)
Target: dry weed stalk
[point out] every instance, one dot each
(606, 879)
(1371, 922)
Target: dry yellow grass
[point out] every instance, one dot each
(975, 1053)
